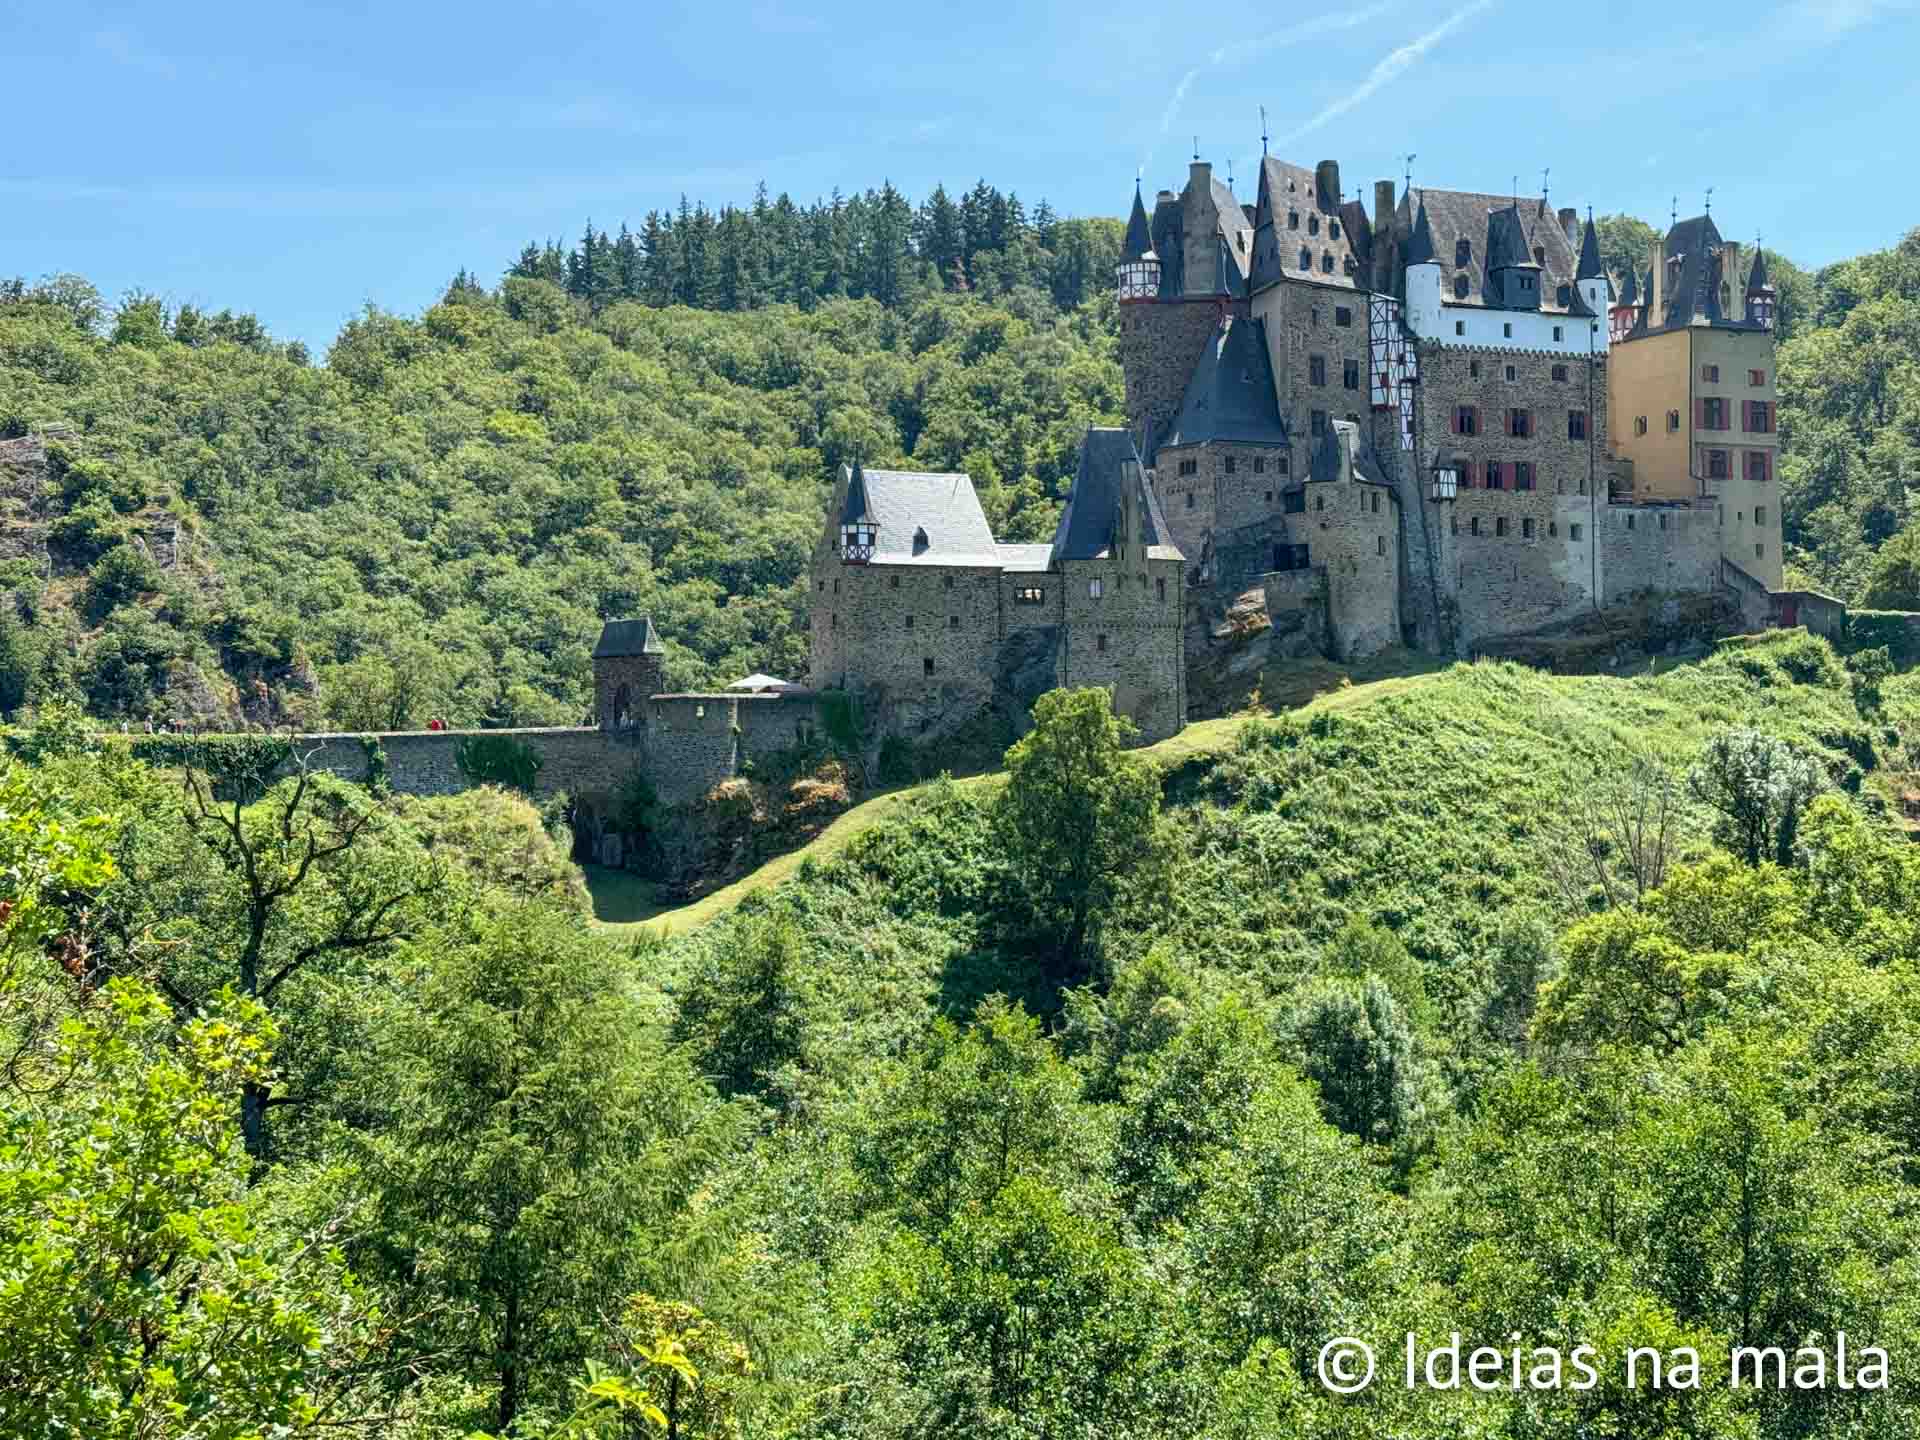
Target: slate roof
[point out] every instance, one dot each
(1420, 244)
(620, 638)
(1230, 395)
(1630, 294)
(1456, 215)
(1692, 293)
(1589, 254)
(1508, 245)
(1757, 277)
(1086, 525)
(1293, 190)
(1139, 234)
(1024, 559)
(903, 503)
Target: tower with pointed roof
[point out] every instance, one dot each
(629, 665)
(1693, 386)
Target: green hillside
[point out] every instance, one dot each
(1480, 1000)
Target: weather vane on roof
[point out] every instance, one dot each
(1673, 215)
(1543, 181)
(1709, 199)
(1410, 160)
(1263, 132)
(1196, 147)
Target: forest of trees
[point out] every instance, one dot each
(876, 244)
(434, 521)
(1445, 1009)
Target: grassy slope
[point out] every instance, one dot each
(623, 905)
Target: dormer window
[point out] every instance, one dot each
(1540, 255)
(1462, 252)
(920, 541)
(1459, 287)
(857, 542)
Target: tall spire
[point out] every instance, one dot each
(1589, 253)
(1757, 279)
(1139, 236)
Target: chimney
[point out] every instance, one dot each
(1382, 210)
(1326, 182)
(1199, 175)
(1570, 226)
(1735, 279)
(1657, 296)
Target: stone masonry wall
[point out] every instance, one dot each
(1160, 343)
(892, 620)
(1303, 321)
(1658, 547)
(1230, 488)
(1129, 637)
(1353, 534)
(424, 762)
(1508, 560)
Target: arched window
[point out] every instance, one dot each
(623, 708)
(1326, 263)
(1313, 225)
(1306, 258)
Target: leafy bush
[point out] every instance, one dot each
(123, 574)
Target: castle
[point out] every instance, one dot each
(1399, 422)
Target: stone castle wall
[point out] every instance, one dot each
(1160, 343)
(1129, 637)
(1230, 489)
(1302, 321)
(1658, 548)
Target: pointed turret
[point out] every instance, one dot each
(1630, 293)
(1589, 254)
(1759, 292)
(859, 527)
(1139, 236)
(1420, 244)
(1137, 276)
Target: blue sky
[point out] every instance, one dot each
(301, 160)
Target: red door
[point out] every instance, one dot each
(1789, 614)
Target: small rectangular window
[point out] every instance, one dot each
(1507, 330)
(1559, 371)
(909, 622)
(1673, 421)
(926, 666)
(1526, 529)
(1756, 377)
(1260, 465)
(1382, 541)
(1342, 316)
(1160, 589)
(1523, 475)
(1512, 373)
(1639, 424)
(1100, 642)
(1316, 369)
(949, 582)
(1294, 502)
(1560, 333)
(1189, 499)
(1519, 424)
(1459, 327)
(1282, 464)
(953, 622)
(1574, 532)
(1029, 595)
(1473, 525)
(893, 582)
(1759, 514)
(1500, 525)
(1576, 424)
(1710, 373)
(1229, 464)
(1093, 588)
(1466, 420)
(1350, 374)
(1759, 551)
(1189, 467)
(1317, 422)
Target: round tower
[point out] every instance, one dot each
(1423, 278)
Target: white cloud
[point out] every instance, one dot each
(1389, 69)
(1305, 30)
(1179, 97)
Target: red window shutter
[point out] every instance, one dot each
(1700, 414)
